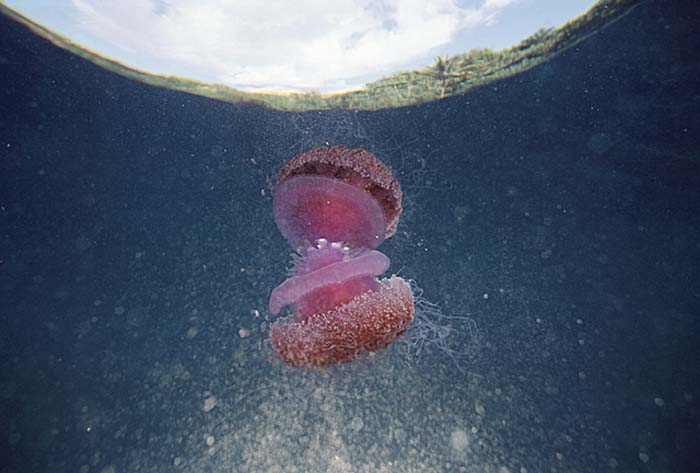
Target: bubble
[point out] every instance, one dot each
(210, 403)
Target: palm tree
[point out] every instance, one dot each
(442, 70)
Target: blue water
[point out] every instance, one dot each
(557, 211)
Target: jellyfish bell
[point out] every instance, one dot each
(346, 202)
(308, 207)
(337, 193)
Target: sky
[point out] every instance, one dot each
(293, 45)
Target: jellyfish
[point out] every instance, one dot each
(335, 206)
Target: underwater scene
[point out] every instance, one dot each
(502, 279)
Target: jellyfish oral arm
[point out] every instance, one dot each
(369, 264)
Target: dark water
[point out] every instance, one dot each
(559, 210)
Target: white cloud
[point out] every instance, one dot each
(280, 44)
